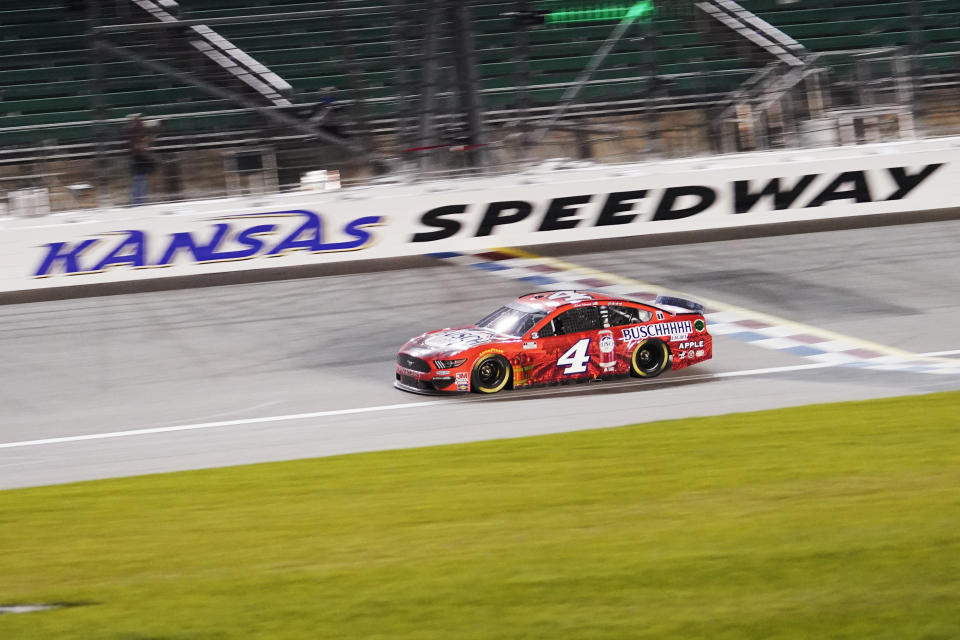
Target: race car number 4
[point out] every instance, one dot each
(576, 358)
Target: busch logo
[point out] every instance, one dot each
(658, 330)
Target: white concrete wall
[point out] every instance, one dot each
(536, 207)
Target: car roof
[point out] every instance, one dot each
(550, 300)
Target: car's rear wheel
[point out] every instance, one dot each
(491, 373)
(650, 358)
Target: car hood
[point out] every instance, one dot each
(449, 342)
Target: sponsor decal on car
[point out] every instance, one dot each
(529, 345)
(658, 330)
(237, 237)
(608, 359)
(699, 324)
(606, 343)
(700, 353)
(459, 339)
(690, 345)
(565, 297)
(463, 376)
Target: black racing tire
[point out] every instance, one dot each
(650, 358)
(491, 373)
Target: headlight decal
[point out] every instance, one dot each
(449, 364)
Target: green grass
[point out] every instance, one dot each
(833, 521)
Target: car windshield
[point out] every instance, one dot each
(511, 321)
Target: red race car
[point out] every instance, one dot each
(555, 337)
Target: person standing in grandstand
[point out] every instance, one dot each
(325, 114)
(142, 163)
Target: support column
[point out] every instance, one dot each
(405, 54)
(428, 81)
(523, 73)
(468, 84)
(97, 56)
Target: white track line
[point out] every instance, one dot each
(395, 407)
(757, 372)
(954, 352)
(215, 425)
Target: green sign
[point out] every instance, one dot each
(604, 13)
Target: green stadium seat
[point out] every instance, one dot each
(44, 79)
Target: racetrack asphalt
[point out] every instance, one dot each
(300, 368)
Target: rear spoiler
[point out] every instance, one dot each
(679, 303)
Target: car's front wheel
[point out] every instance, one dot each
(491, 373)
(650, 359)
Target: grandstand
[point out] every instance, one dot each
(239, 79)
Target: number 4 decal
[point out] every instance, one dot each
(570, 296)
(576, 358)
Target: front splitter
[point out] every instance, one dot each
(425, 392)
